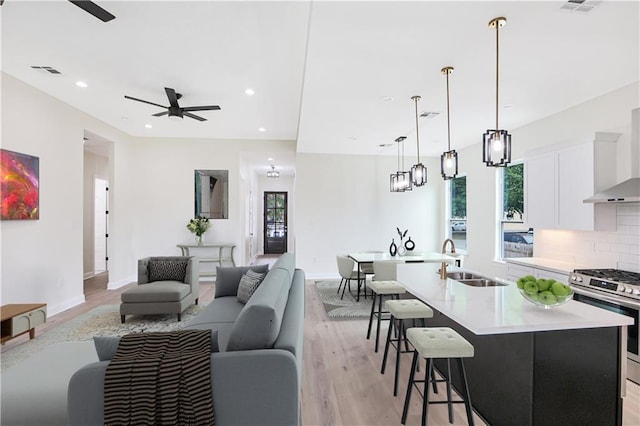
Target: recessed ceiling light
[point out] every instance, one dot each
(506, 106)
(249, 92)
(148, 126)
(262, 129)
(387, 99)
(81, 84)
(270, 159)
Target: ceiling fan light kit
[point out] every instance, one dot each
(273, 173)
(496, 143)
(448, 159)
(418, 171)
(174, 110)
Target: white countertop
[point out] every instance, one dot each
(498, 310)
(549, 264)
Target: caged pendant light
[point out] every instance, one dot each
(496, 143)
(449, 159)
(418, 171)
(400, 181)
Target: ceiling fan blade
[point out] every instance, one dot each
(202, 108)
(146, 102)
(160, 114)
(94, 9)
(173, 98)
(188, 114)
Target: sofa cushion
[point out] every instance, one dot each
(222, 309)
(258, 325)
(162, 291)
(167, 270)
(106, 346)
(248, 285)
(228, 278)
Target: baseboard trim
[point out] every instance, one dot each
(322, 276)
(113, 285)
(61, 307)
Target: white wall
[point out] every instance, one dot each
(343, 204)
(607, 113)
(42, 260)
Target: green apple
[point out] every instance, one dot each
(529, 278)
(560, 289)
(531, 287)
(544, 285)
(547, 297)
(520, 282)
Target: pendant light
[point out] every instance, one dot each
(400, 181)
(273, 173)
(449, 159)
(418, 171)
(496, 143)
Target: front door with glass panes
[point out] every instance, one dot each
(275, 222)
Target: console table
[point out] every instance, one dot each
(18, 319)
(220, 254)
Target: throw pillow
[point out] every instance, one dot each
(248, 285)
(228, 278)
(106, 346)
(167, 270)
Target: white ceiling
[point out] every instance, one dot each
(322, 70)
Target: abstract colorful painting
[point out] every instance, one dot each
(19, 186)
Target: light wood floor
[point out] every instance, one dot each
(342, 384)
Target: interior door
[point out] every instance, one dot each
(275, 222)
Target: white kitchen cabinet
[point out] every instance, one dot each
(515, 271)
(559, 179)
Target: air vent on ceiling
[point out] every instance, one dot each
(579, 5)
(48, 69)
(429, 114)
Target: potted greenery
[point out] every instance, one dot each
(199, 226)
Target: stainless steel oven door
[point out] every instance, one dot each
(621, 306)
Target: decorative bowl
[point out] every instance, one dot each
(545, 300)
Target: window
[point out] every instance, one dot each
(458, 212)
(517, 240)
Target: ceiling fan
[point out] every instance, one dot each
(175, 110)
(90, 7)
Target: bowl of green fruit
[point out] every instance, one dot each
(544, 292)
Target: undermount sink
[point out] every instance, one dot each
(463, 276)
(482, 282)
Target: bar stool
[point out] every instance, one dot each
(380, 289)
(438, 342)
(401, 310)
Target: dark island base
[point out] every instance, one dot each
(567, 377)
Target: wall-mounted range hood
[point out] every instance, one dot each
(624, 192)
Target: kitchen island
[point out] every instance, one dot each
(532, 366)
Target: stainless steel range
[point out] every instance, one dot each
(617, 291)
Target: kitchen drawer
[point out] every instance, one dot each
(543, 273)
(516, 271)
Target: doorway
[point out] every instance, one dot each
(275, 222)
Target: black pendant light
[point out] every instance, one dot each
(400, 181)
(496, 143)
(418, 171)
(448, 159)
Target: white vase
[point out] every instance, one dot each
(200, 239)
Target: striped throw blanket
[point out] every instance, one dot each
(160, 379)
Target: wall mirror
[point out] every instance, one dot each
(212, 194)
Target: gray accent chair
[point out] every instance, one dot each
(162, 294)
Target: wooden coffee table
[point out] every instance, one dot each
(20, 318)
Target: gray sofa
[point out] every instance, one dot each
(256, 375)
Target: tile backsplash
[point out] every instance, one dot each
(620, 249)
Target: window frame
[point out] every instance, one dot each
(501, 220)
(448, 211)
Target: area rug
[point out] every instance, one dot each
(100, 321)
(346, 308)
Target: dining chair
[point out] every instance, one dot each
(347, 274)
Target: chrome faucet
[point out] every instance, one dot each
(443, 266)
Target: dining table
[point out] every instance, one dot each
(368, 257)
